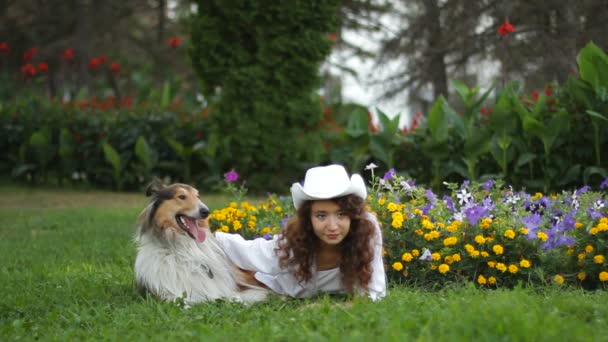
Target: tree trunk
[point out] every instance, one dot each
(435, 50)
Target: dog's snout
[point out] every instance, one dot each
(204, 212)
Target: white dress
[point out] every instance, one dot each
(259, 255)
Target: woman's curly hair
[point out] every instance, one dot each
(299, 244)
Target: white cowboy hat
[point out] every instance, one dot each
(325, 182)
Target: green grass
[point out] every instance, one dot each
(66, 274)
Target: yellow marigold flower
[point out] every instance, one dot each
(474, 254)
(537, 196)
(433, 267)
(602, 226)
(578, 224)
(397, 216)
(233, 205)
(392, 206)
(484, 254)
(251, 224)
(525, 263)
(509, 234)
(558, 279)
(224, 229)
(253, 217)
(237, 225)
(542, 236)
(415, 252)
(381, 201)
(569, 251)
(498, 249)
(456, 257)
(523, 231)
(603, 276)
(593, 231)
(485, 223)
(469, 248)
(397, 266)
(428, 237)
(418, 232)
(443, 268)
(491, 264)
(448, 259)
(450, 241)
(513, 268)
(427, 224)
(451, 228)
(417, 212)
(481, 280)
(397, 224)
(480, 239)
(581, 256)
(407, 257)
(581, 275)
(604, 220)
(440, 224)
(501, 267)
(434, 234)
(588, 248)
(492, 280)
(265, 230)
(278, 209)
(599, 259)
(436, 256)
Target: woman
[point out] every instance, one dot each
(332, 245)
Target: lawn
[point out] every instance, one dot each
(66, 274)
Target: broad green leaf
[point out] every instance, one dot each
(524, 159)
(112, 157)
(594, 170)
(596, 115)
(462, 90)
(593, 66)
(177, 147)
(358, 123)
(437, 121)
(166, 95)
(145, 153)
(66, 148)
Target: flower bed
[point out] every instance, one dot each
(485, 233)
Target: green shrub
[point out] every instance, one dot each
(258, 62)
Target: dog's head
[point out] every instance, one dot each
(176, 209)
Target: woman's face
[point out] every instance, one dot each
(330, 223)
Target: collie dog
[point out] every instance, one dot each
(179, 257)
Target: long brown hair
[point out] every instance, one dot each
(298, 244)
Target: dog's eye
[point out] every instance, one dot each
(182, 197)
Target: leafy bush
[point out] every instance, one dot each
(258, 64)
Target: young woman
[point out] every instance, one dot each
(332, 245)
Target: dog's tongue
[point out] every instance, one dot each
(198, 234)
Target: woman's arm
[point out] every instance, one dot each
(377, 283)
(253, 255)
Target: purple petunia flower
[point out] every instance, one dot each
(389, 174)
(449, 203)
(284, 221)
(231, 176)
(604, 184)
(532, 222)
(488, 185)
(474, 213)
(267, 236)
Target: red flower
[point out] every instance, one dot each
(535, 95)
(102, 59)
(94, 63)
(29, 54)
(332, 37)
(43, 67)
(68, 54)
(506, 28)
(174, 42)
(28, 70)
(548, 90)
(4, 49)
(115, 68)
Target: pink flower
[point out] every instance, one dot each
(231, 176)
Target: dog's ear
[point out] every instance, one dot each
(154, 187)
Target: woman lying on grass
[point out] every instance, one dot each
(332, 245)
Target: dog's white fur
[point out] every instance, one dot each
(171, 264)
